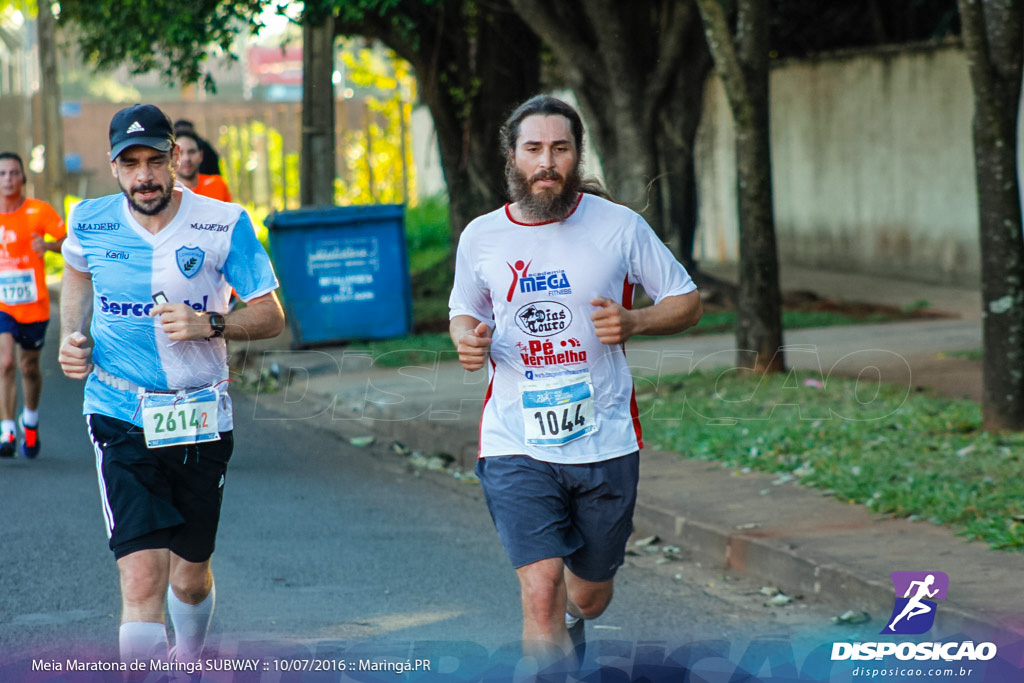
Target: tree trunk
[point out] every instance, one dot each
(993, 43)
(676, 132)
(742, 63)
(758, 308)
(53, 130)
(317, 168)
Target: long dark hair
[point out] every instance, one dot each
(546, 105)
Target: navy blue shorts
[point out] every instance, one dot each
(28, 335)
(159, 497)
(580, 513)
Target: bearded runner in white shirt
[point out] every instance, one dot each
(148, 275)
(543, 297)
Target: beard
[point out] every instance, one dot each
(153, 206)
(548, 204)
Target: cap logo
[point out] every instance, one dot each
(135, 128)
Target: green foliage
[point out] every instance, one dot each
(421, 349)
(159, 35)
(908, 455)
(27, 8)
(176, 39)
(53, 264)
(259, 214)
(256, 167)
(428, 235)
(352, 16)
(378, 157)
(719, 322)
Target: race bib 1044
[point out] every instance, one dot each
(177, 419)
(558, 410)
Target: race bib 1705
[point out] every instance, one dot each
(18, 287)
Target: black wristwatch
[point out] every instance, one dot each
(217, 323)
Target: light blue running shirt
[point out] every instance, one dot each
(208, 248)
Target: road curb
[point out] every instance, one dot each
(798, 576)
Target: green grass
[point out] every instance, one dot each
(718, 322)
(970, 354)
(418, 349)
(899, 453)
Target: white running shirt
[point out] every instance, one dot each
(533, 285)
(208, 248)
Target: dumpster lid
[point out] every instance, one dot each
(321, 216)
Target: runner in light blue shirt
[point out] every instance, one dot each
(147, 275)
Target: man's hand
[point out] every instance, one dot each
(613, 323)
(181, 322)
(39, 245)
(75, 357)
(473, 346)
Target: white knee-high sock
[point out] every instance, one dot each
(191, 623)
(142, 641)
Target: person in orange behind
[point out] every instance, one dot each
(25, 225)
(188, 169)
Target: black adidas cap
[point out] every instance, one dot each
(141, 124)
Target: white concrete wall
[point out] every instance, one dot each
(426, 155)
(873, 166)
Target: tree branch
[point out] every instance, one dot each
(722, 46)
(1003, 20)
(673, 44)
(569, 46)
(972, 21)
(609, 27)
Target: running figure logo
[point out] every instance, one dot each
(518, 271)
(914, 612)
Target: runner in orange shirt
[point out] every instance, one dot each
(188, 169)
(25, 224)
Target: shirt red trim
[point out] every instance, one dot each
(634, 411)
(508, 214)
(627, 293)
(480, 426)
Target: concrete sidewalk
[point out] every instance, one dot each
(806, 544)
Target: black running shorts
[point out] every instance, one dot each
(29, 336)
(158, 497)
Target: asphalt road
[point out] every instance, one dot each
(324, 545)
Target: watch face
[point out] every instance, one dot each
(217, 323)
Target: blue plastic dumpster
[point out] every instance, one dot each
(344, 272)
